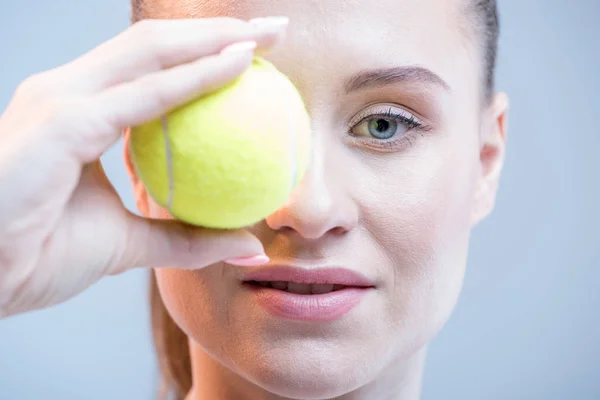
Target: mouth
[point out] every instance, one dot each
(300, 288)
(308, 295)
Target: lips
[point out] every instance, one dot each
(307, 294)
(323, 276)
(300, 288)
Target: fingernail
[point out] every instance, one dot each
(248, 261)
(277, 21)
(239, 47)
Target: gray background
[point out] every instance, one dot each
(527, 324)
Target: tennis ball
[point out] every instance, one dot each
(229, 158)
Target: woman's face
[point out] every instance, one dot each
(406, 158)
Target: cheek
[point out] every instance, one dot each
(198, 304)
(417, 208)
(195, 299)
(186, 296)
(420, 205)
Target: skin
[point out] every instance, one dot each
(64, 226)
(399, 213)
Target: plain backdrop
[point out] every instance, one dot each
(527, 325)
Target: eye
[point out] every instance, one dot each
(379, 128)
(385, 124)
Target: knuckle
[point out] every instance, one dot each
(57, 113)
(39, 102)
(36, 85)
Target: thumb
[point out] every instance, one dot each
(170, 243)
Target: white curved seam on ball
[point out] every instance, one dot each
(169, 161)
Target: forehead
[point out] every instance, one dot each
(335, 37)
(318, 23)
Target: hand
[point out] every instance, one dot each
(62, 224)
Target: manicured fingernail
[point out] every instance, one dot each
(239, 47)
(277, 21)
(248, 261)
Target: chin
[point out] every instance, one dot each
(303, 375)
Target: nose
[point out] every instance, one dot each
(321, 204)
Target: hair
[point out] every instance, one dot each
(170, 341)
(487, 26)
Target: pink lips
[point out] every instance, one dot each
(351, 287)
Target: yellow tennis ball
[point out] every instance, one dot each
(230, 158)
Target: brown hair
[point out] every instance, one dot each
(171, 347)
(170, 341)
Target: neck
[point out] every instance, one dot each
(400, 380)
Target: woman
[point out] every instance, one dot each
(409, 141)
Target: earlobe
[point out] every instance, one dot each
(492, 154)
(139, 191)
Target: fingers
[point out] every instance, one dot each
(153, 45)
(169, 243)
(136, 102)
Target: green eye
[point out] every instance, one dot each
(379, 128)
(382, 128)
(386, 126)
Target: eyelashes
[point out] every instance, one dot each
(387, 128)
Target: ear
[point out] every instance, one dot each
(492, 153)
(139, 191)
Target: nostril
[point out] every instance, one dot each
(338, 230)
(286, 229)
(311, 231)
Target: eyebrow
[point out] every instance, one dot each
(386, 76)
